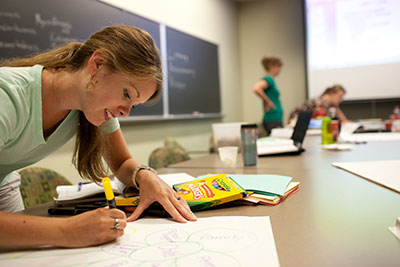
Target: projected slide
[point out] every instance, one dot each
(355, 43)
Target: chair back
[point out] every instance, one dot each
(38, 185)
(172, 152)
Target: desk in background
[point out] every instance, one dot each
(313, 158)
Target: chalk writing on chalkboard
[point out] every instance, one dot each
(179, 63)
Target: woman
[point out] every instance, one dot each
(266, 89)
(325, 105)
(79, 88)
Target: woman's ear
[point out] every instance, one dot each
(95, 62)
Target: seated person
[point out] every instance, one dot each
(327, 105)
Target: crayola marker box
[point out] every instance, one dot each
(126, 201)
(210, 191)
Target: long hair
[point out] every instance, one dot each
(127, 50)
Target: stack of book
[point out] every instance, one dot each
(76, 199)
(266, 189)
(200, 193)
(266, 198)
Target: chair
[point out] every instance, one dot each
(38, 185)
(172, 152)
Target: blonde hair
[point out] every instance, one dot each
(333, 90)
(127, 50)
(268, 62)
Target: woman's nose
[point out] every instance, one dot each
(124, 111)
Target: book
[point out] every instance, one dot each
(272, 199)
(263, 183)
(88, 191)
(75, 199)
(210, 191)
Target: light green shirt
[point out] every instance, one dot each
(21, 134)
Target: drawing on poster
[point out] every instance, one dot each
(150, 242)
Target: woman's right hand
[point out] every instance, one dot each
(92, 228)
(269, 105)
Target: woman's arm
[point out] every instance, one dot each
(258, 89)
(87, 229)
(152, 188)
(341, 116)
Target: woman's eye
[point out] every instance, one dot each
(127, 95)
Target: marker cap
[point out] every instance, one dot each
(108, 189)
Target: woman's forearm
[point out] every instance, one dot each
(18, 230)
(87, 229)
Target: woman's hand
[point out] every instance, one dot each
(92, 228)
(152, 189)
(268, 105)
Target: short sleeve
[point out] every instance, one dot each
(270, 82)
(8, 117)
(110, 126)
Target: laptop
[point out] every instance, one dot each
(371, 126)
(292, 146)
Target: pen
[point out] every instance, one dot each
(109, 193)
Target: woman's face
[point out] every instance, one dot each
(337, 98)
(274, 70)
(114, 94)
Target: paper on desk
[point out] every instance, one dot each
(288, 132)
(365, 137)
(385, 172)
(176, 178)
(349, 128)
(282, 132)
(314, 131)
(215, 241)
(263, 183)
(347, 134)
(72, 192)
(338, 147)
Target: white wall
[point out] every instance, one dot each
(213, 20)
(271, 27)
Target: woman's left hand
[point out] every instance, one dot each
(152, 189)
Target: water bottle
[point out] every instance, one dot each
(326, 131)
(335, 130)
(249, 144)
